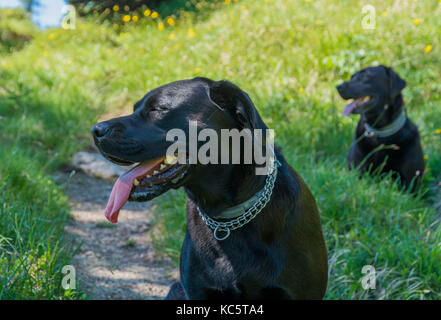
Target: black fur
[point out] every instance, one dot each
(281, 253)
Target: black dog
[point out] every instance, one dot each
(385, 137)
(278, 254)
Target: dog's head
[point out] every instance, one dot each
(372, 89)
(141, 138)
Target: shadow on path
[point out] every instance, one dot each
(115, 261)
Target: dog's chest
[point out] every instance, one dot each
(238, 263)
(233, 264)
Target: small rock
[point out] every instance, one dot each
(96, 165)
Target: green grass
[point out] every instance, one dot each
(32, 215)
(39, 129)
(15, 30)
(105, 225)
(130, 243)
(288, 55)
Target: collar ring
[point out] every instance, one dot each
(218, 236)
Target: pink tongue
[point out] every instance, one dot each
(123, 186)
(349, 108)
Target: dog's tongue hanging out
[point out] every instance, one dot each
(350, 107)
(123, 186)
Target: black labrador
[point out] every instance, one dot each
(278, 254)
(385, 138)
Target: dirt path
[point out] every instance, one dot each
(114, 261)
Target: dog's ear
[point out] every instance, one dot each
(231, 98)
(396, 84)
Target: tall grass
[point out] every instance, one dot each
(39, 129)
(32, 216)
(288, 55)
(15, 30)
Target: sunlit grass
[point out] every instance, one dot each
(15, 30)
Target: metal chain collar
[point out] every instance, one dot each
(219, 227)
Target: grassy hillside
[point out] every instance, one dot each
(288, 55)
(15, 30)
(33, 210)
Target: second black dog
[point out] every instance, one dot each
(385, 138)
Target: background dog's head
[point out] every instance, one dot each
(141, 136)
(372, 89)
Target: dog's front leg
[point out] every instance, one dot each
(411, 173)
(356, 159)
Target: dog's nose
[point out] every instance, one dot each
(341, 88)
(100, 129)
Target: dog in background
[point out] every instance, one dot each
(376, 94)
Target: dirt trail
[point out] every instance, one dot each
(114, 261)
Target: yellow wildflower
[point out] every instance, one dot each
(126, 18)
(147, 12)
(135, 18)
(227, 1)
(197, 70)
(416, 21)
(384, 13)
(171, 21)
(428, 48)
(51, 36)
(160, 26)
(301, 90)
(154, 15)
(191, 33)
(171, 36)
(438, 131)
(116, 8)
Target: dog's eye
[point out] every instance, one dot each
(363, 74)
(157, 108)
